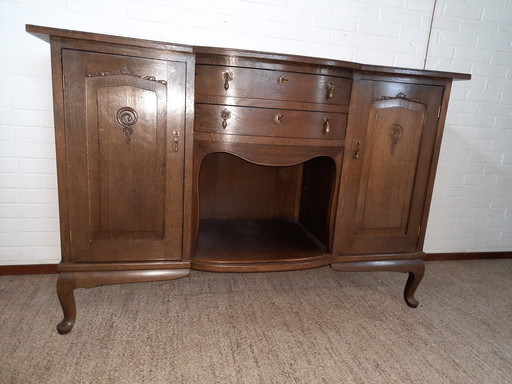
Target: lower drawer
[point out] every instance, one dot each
(232, 120)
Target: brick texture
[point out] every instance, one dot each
(479, 129)
(472, 204)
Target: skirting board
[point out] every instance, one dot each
(32, 269)
(37, 269)
(467, 256)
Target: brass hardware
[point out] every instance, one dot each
(278, 118)
(330, 90)
(225, 115)
(282, 80)
(357, 148)
(327, 126)
(227, 76)
(176, 136)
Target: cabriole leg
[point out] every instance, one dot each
(69, 281)
(413, 281)
(415, 268)
(65, 287)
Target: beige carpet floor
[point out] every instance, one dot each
(315, 326)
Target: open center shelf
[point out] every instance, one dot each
(225, 243)
(262, 218)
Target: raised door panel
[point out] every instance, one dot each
(391, 135)
(389, 167)
(122, 117)
(127, 159)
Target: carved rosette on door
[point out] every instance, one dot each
(127, 117)
(395, 134)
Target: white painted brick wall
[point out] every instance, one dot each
(479, 204)
(472, 205)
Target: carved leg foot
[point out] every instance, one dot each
(413, 281)
(415, 268)
(69, 281)
(65, 287)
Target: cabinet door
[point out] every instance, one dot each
(124, 128)
(390, 144)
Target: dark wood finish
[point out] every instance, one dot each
(393, 127)
(127, 179)
(42, 269)
(173, 157)
(414, 267)
(121, 266)
(121, 118)
(262, 183)
(267, 154)
(414, 72)
(270, 122)
(69, 281)
(269, 192)
(271, 104)
(236, 82)
(318, 198)
(263, 140)
(249, 241)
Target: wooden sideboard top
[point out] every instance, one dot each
(44, 32)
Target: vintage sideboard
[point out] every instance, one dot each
(174, 157)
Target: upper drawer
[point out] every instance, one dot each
(273, 85)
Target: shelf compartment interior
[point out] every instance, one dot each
(255, 241)
(253, 213)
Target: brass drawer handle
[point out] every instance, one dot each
(225, 115)
(330, 90)
(278, 118)
(282, 80)
(227, 76)
(357, 148)
(176, 136)
(327, 126)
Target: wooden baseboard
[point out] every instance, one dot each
(467, 256)
(40, 269)
(32, 269)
